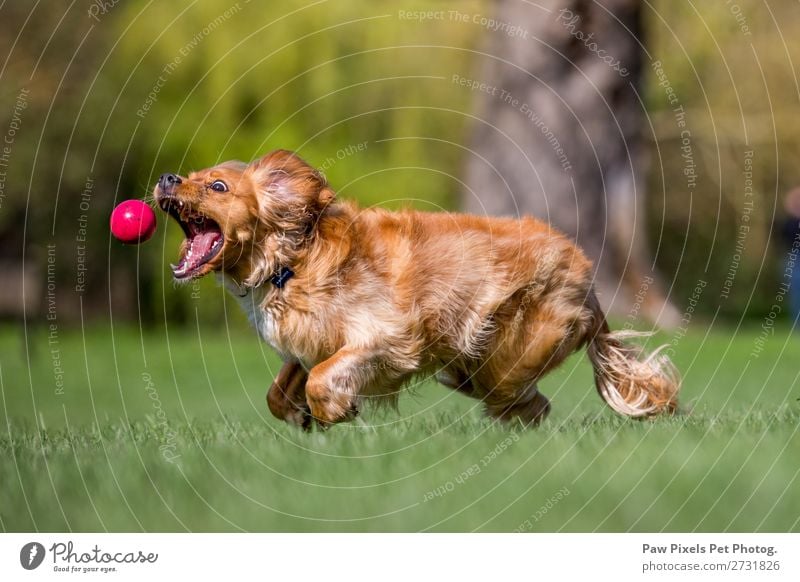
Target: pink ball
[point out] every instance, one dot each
(133, 222)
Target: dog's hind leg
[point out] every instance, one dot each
(286, 397)
(456, 380)
(506, 402)
(528, 406)
(548, 333)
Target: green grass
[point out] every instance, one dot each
(89, 459)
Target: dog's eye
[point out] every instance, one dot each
(219, 186)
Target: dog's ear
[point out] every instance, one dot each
(289, 178)
(291, 197)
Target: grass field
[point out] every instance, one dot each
(169, 431)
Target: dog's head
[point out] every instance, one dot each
(247, 220)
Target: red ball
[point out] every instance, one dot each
(133, 222)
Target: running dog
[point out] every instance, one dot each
(357, 302)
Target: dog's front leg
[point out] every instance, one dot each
(287, 395)
(334, 385)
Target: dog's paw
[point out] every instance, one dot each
(300, 415)
(330, 406)
(351, 414)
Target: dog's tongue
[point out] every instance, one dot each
(200, 245)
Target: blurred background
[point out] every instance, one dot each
(99, 98)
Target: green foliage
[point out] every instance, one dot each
(318, 79)
(732, 69)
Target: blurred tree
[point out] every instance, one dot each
(560, 137)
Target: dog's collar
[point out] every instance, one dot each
(281, 276)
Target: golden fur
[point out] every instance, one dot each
(487, 305)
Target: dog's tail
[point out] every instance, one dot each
(631, 382)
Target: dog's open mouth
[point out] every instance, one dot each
(204, 238)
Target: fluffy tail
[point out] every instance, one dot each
(632, 383)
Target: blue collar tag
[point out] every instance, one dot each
(279, 279)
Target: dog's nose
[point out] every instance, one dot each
(167, 181)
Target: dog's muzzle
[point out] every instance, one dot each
(167, 182)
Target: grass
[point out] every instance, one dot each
(95, 456)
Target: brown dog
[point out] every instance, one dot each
(357, 302)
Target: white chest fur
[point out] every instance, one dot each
(261, 318)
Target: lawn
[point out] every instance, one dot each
(168, 430)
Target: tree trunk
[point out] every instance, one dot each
(560, 137)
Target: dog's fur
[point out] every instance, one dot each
(487, 305)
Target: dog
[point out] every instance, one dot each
(359, 301)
